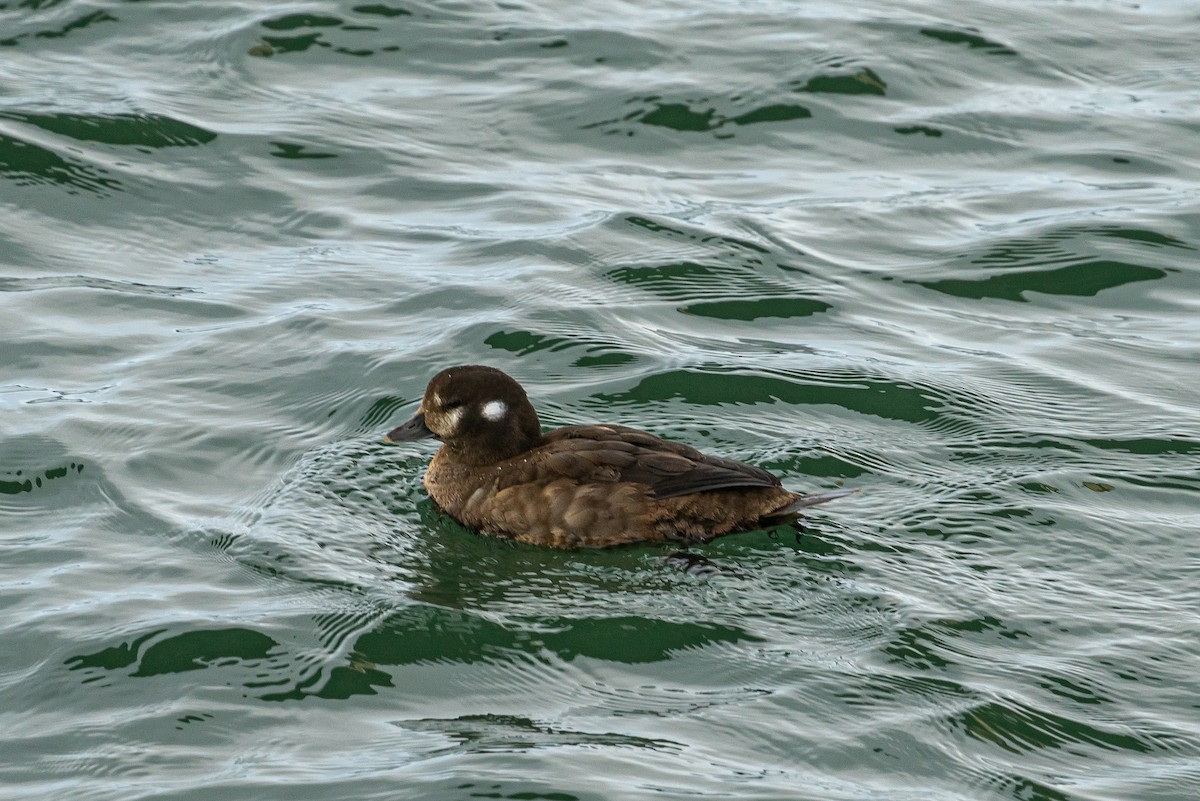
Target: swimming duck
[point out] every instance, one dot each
(584, 485)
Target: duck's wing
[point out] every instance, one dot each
(609, 454)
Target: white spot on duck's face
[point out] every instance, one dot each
(494, 410)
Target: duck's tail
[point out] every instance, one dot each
(795, 508)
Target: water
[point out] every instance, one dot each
(944, 253)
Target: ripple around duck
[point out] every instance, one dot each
(1085, 280)
(249, 658)
(26, 163)
(435, 635)
(153, 654)
(671, 112)
(861, 81)
(1019, 729)
(454, 598)
(1073, 260)
(972, 39)
(686, 281)
(894, 401)
(599, 350)
(489, 733)
(127, 129)
(39, 477)
(750, 310)
(53, 31)
(357, 650)
(708, 242)
(17, 481)
(15, 284)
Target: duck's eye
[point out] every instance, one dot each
(451, 405)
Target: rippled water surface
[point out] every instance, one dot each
(945, 253)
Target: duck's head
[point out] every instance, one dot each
(474, 409)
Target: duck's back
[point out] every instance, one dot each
(668, 469)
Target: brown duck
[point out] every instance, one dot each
(577, 486)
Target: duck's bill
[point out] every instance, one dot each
(412, 430)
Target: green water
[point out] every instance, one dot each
(945, 253)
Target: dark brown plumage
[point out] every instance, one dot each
(590, 485)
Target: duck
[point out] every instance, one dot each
(592, 485)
